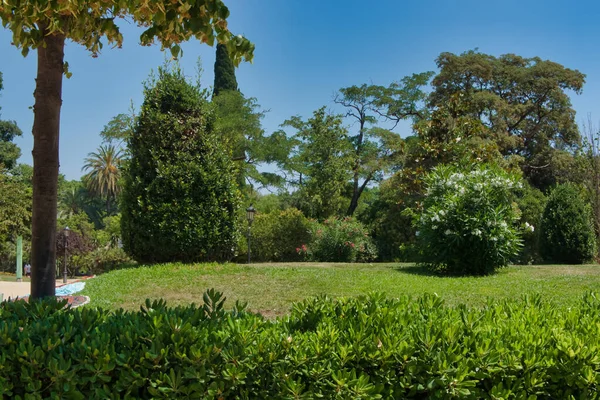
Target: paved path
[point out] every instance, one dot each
(20, 289)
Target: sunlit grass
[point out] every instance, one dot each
(272, 288)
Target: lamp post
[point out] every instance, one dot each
(250, 211)
(66, 232)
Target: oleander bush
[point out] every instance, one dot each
(367, 347)
(468, 224)
(339, 240)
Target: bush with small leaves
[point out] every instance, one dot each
(339, 240)
(567, 230)
(277, 235)
(179, 198)
(468, 225)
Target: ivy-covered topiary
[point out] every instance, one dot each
(567, 229)
(179, 197)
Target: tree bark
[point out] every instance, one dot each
(356, 191)
(46, 128)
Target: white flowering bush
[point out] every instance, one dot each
(468, 225)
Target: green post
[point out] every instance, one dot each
(20, 259)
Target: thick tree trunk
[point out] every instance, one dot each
(46, 127)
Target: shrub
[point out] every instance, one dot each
(567, 229)
(277, 235)
(467, 225)
(102, 260)
(339, 240)
(367, 347)
(531, 203)
(179, 196)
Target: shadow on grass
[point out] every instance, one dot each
(416, 270)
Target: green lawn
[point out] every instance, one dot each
(11, 277)
(271, 288)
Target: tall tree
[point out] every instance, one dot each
(45, 26)
(224, 72)
(523, 102)
(239, 123)
(320, 162)
(104, 168)
(376, 149)
(118, 130)
(9, 151)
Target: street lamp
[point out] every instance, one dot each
(66, 232)
(250, 211)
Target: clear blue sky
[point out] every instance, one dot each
(307, 49)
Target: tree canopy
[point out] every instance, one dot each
(9, 152)
(45, 26)
(522, 102)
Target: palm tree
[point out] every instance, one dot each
(71, 202)
(104, 172)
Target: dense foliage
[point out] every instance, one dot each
(531, 203)
(224, 72)
(179, 197)
(277, 235)
(467, 225)
(9, 151)
(368, 347)
(567, 229)
(45, 28)
(339, 240)
(319, 163)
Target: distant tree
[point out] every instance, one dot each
(521, 101)
(320, 163)
(589, 159)
(224, 72)
(238, 122)
(45, 28)
(118, 130)
(378, 150)
(71, 202)
(104, 173)
(9, 151)
(15, 208)
(179, 199)
(23, 173)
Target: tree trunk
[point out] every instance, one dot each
(46, 127)
(355, 196)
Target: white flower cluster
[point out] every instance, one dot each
(476, 180)
(528, 227)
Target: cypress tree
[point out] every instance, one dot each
(224, 72)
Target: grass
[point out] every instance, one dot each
(272, 288)
(11, 277)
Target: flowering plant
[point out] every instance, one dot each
(341, 240)
(468, 221)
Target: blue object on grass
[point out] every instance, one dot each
(69, 289)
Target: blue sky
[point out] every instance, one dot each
(305, 51)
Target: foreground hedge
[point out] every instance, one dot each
(368, 347)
